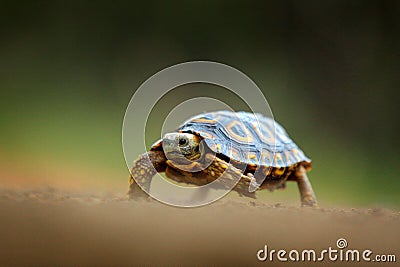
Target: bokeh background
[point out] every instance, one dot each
(330, 70)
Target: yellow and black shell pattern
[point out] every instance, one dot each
(247, 138)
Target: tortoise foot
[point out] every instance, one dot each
(135, 193)
(309, 201)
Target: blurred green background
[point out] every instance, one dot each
(330, 70)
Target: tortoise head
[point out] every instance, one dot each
(182, 146)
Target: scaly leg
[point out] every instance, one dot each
(211, 173)
(191, 178)
(142, 172)
(229, 174)
(306, 192)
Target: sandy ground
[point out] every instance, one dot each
(53, 228)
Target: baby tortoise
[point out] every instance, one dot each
(250, 148)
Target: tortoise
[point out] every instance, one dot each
(239, 145)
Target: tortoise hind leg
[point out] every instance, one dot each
(306, 192)
(142, 172)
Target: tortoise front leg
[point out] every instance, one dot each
(216, 169)
(306, 192)
(142, 172)
(229, 174)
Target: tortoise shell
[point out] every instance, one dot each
(247, 138)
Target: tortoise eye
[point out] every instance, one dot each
(182, 141)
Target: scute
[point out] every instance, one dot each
(247, 138)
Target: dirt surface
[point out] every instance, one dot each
(53, 228)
